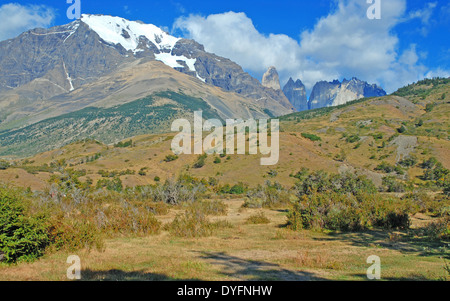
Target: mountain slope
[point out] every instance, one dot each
(152, 114)
(45, 65)
(355, 137)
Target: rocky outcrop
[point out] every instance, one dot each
(271, 79)
(296, 93)
(326, 94)
(224, 73)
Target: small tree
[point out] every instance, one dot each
(4, 165)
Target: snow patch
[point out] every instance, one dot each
(117, 30)
(68, 78)
(200, 78)
(172, 60)
(75, 27)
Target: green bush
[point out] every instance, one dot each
(200, 161)
(401, 129)
(268, 196)
(124, 144)
(321, 181)
(114, 185)
(409, 161)
(385, 167)
(23, 237)
(311, 137)
(239, 188)
(4, 165)
(353, 139)
(335, 211)
(392, 185)
(170, 158)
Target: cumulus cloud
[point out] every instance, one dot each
(344, 43)
(16, 18)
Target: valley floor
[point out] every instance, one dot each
(248, 252)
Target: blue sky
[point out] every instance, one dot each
(310, 40)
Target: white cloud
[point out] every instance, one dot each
(16, 18)
(344, 43)
(424, 15)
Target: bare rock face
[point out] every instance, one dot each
(296, 93)
(326, 94)
(271, 79)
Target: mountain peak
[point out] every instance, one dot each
(296, 93)
(116, 30)
(271, 79)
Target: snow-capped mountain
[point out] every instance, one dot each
(136, 36)
(129, 34)
(42, 68)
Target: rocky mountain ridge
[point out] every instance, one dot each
(52, 64)
(324, 94)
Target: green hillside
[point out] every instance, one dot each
(108, 125)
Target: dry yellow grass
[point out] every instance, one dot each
(244, 252)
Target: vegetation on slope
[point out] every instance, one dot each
(108, 125)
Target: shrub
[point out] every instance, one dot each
(439, 230)
(194, 223)
(176, 192)
(22, 237)
(4, 165)
(377, 136)
(429, 107)
(436, 172)
(311, 137)
(401, 129)
(392, 185)
(200, 161)
(352, 139)
(217, 160)
(335, 211)
(170, 158)
(341, 157)
(272, 173)
(302, 174)
(385, 167)
(267, 196)
(114, 185)
(424, 203)
(430, 163)
(394, 220)
(124, 144)
(213, 207)
(258, 218)
(72, 235)
(409, 161)
(239, 188)
(321, 181)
